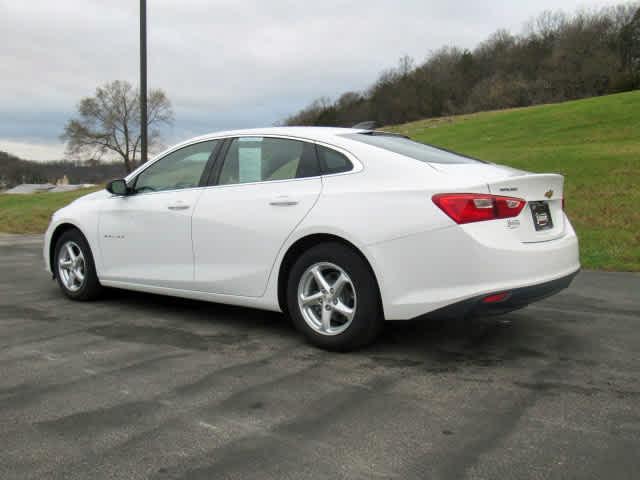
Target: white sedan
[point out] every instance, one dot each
(339, 228)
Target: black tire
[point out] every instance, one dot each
(90, 288)
(368, 319)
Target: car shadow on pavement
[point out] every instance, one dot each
(449, 344)
(437, 345)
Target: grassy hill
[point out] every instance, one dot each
(595, 143)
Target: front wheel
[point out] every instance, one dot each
(333, 298)
(74, 267)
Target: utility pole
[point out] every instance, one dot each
(143, 81)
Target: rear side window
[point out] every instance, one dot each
(264, 159)
(332, 161)
(409, 148)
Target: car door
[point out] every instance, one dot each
(263, 187)
(145, 236)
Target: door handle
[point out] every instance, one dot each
(179, 206)
(283, 202)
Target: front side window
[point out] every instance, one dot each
(263, 159)
(180, 169)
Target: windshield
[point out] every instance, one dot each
(409, 148)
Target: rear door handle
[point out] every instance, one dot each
(283, 202)
(178, 206)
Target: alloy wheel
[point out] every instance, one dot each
(72, 267)
(327, 298)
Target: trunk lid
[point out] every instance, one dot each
(542, 219)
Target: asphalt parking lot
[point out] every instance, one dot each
(141, 386)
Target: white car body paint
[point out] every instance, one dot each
(228, 244)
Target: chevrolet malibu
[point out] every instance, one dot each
(341, 229)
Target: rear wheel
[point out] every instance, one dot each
(333, 298)
(74, 267)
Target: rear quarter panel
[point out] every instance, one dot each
(389, 198)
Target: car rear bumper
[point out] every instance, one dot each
(426, 272)
(515, 299)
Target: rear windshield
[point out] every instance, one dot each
(409, 148)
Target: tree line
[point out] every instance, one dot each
(15, 171)
(557, 57)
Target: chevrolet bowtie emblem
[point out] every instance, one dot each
(548, 193)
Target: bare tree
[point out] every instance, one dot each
(109, 122)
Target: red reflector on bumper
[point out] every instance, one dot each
(497, 297)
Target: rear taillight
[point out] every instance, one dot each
(477, 207)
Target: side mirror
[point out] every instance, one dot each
(117, 187)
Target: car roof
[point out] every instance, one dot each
(327, 134)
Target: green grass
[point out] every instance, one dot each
(595, 143)
(31, 213)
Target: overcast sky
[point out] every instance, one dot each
(225, 63)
